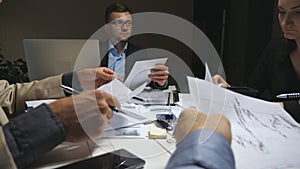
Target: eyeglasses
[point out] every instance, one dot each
(119, 23)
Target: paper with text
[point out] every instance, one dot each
(140, 71)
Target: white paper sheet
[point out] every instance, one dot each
(264, 134)
(120, 91)
(35, 103)
(119, 120)
(152, 97)
(140, 71)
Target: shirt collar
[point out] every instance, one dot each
(112, 46)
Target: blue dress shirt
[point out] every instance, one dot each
(117, 62)
(215, 153)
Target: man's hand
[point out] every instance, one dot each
(191, 120)
(84, 116)
(159, 74)
(95, 77)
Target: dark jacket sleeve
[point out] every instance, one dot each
(32, 134)
(70, 79)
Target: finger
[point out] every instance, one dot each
(159, 73)
(161, 67)
(108, 71)
(158, 77)
(105, 73)
(120, 79)
(102, 101)
(161, 82)
(109, 99)
(215, 80)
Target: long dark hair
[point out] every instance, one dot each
(290, 45)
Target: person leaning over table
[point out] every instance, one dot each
(195, 151)
(28, 135)
(278, 71)
(120, 57)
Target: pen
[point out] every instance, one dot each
(289, 96)
(69, 89)
(139, 99)
(113, 108)
(73, 91)
(131, 125)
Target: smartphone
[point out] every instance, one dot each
(119, 159)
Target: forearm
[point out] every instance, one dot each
(27, 132)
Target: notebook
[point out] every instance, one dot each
(48, 57)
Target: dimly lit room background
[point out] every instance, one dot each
(239, 29)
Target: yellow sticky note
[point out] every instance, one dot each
(156, 132)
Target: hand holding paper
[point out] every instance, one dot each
(140, 72)
(159, 74)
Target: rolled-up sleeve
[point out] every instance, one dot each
(192, 153)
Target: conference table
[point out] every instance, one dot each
(155, 152)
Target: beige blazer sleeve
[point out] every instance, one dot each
(13, 97)
(12, 101)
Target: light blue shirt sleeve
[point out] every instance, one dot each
(214, 153)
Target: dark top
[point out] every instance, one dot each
(130, 58)
(275, 75)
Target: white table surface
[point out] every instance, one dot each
(156, 152)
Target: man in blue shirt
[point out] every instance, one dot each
(117, 50)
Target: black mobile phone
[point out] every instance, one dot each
(119, 159)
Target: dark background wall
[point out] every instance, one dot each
(66, 19)
(238, 29)
(249, 30)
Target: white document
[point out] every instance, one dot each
(120, 91)
(35, 103)
(140, 71)
(151, 97)
(119, 121)
(264, 134)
